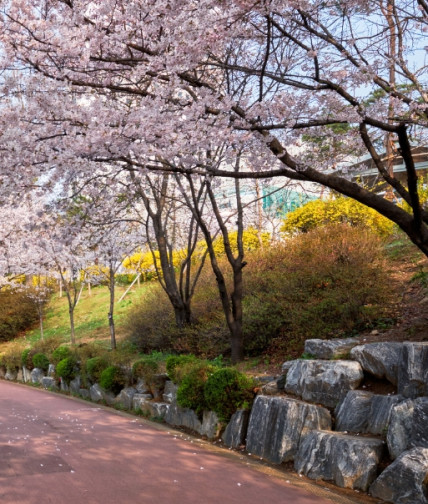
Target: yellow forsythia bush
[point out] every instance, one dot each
(339, 210)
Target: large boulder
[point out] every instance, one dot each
(278, 424)
(75, 385)
(183, 417)
(330, 349)
(413, 370)
(405, 481)
(323, 382)
(49, 383)
(379, 359)
(419, 435)
(36, 375)
(140, 402)
(353, 411)
(126, 396)
(236, 430)
(400, 428)
(348, 461)
(380, 413)
(211, 425)
(11, 374)
(170, 392)
(362, 411)
(98, 394)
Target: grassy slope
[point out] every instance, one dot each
(91, 320)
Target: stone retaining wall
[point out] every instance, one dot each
(316, 414)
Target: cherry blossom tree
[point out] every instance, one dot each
(142, 82)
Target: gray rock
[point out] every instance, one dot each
(139, 402)
(170, 392)
(84, 393)
(126, 396)
(26, 374)
(20, 375)
(413, 370)
(63, 385)
(419, 436)
(236, 430)
(330, 349)
(348, 461)
(49, 383)
(96, 392)
(278, 424)
(142, 387)
(51, 370)
(380, 413)
(75, 385)
(36, 375)
(362, 411)
(353, 411)
(287, 365)
(2, 372)
(400, 428)
(183, 417)
(405, 480)
(11, 374)
(211, 425)
(159, 410)
(379, 359)
(324, 382)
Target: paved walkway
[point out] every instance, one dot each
(57, 450)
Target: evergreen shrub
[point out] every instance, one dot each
(41, 361)
(113, 379)
(191, 391)
(66, 369)
(94, 367)
(227, 390)
(60, 353)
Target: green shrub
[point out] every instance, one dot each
(113, 379)
(94, 367)
(175, 365)
(228, 390)
(145, 368)
(27, 358)
(190, 393)
(41, 361)
(61, 353)
(66, 369)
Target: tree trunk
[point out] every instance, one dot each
(111, 310)
(72, 333)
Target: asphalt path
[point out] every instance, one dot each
(54, 449)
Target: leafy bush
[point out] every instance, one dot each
(112, 378)
(176, 364)
(325, 283)
(146, 368)
(94, 368)
(17, 313)
(318, 213)
(27, 358)
(228, 390)
(41, 361)
(61, 353)
(66, 369)
(191, 391)
(12, 356)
